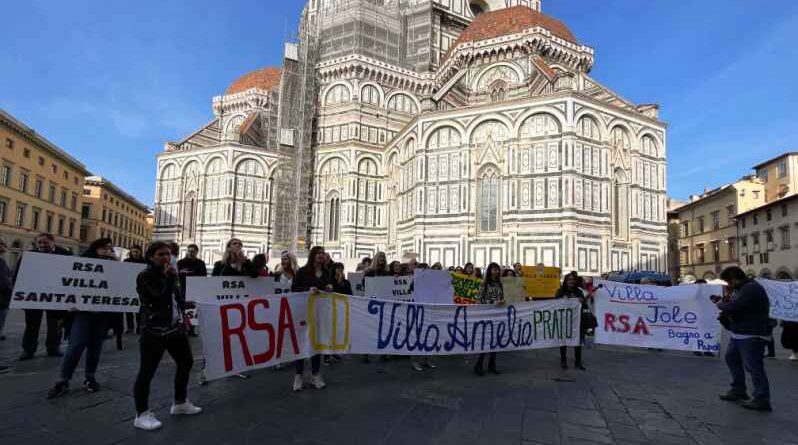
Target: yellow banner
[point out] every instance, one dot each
(466, 289)
(540, 281)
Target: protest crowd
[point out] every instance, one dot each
(163, 319)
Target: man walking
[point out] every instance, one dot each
(747, 316)
(45, 243)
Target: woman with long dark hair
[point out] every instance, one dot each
(491, 292)
(87, 333)
(570, 289)
(162, 330)
(312, 277)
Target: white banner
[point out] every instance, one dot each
(210, 289)
(49, 281)
(433, 286)
(679, 317)
(390, 288)
(783, 297)
(259, 332)
(356, 280)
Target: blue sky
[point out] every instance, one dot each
(110, 82)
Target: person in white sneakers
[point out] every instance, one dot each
(162, 330)
(313, 277)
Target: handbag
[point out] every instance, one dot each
(588, 320)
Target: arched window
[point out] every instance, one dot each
(588, 128)
(233, 127)
(444, 137)
(367, 191)
(214, 191)
(170, 182)
(620, 204)
(333, 209)
(251, 191)
(336, 95)
(649, 147)
(489, 130)
(539, 125)
(402, 102)
(369, 94)
(488, 201)
(501, 72)
(620, 138)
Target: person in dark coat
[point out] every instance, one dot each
(234, 262)
(87, 334)
(45, 243)
(6, 288)
(135, 255)
(190, 266)
(746, 314)
(570, 289)
(162, 330)
(789, 338)
(312, 277)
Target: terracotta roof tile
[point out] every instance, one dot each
(490, 25)
(264, 79)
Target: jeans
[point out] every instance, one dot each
(747, 355)
(3, 315)
(315, 365)
(131, 320)
(152, 349)
(33, 321)
(88, 332)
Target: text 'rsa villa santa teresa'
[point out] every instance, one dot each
(455, 130)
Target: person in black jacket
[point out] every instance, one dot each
(312, 277)
(190, 266)
(162, 330)
(6, 288)
(340, 284)
(235, 263)
(87, 333)
(747, 316)
(45, 243)
(570, 289)
(135, 255)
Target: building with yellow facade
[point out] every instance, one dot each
(780, 176)
(40, 189)
(708, 230)
(108, 211)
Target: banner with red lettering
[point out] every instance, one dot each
(62, 282)
(261, 331)
(678, 317)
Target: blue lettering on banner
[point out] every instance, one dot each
(629, 294)
(402, 327)
(671, 315)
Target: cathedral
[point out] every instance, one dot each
(454, 130)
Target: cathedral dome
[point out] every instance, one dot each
(262, 79)
(493, 24)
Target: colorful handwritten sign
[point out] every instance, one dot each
(466, 289)
(541, 281)
(678, 317)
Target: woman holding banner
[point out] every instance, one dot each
(570, 289)
(491, 292)
(312, 277)
(86, 333)
(162, 330)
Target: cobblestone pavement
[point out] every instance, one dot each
(626, 396)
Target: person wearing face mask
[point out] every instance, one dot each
(87, 333)
(570, 289)
(312, 277)
(45, 243)
(162, 330)
(491, 292)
